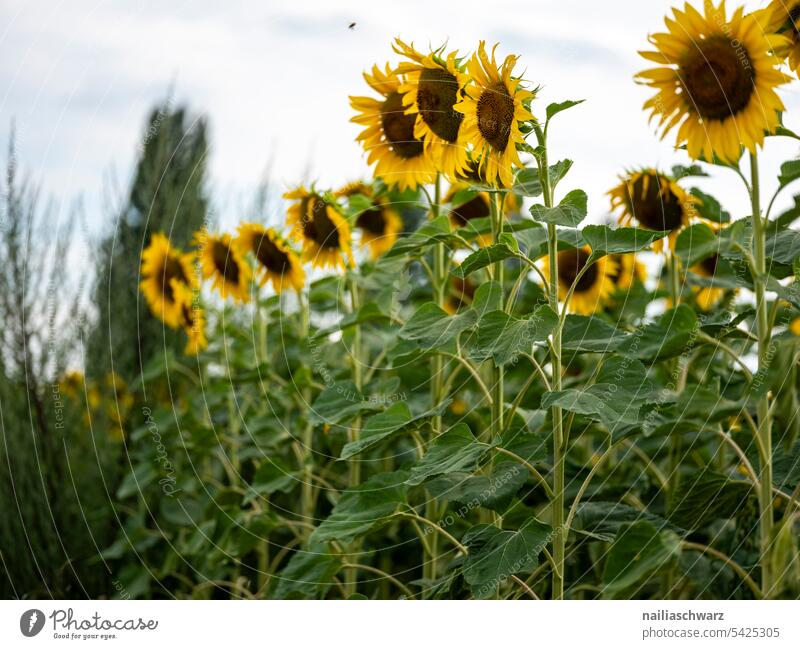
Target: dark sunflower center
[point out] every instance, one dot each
(224, 262)
(269, 255)
(318, 226)
(570, 263)
(496, 115)
(436, 94)
(718, 76)
(399, 127)
(790, 28)
(172, 270)
(654, 208)
(709, 265)
(372, 221)
(474, 208)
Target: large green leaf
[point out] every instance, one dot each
(639, 551)
(569, 212)
(493, 491)
(555, 108)
(364, 508)
(534, 240)
(790, 171)
(783, 246)
(496, 554)
(454, 450)
(706, 496)
(604, 240)
(482, 258)
(602, 520)
(340, 402)
(431, 327)
(590, 334)
(272, 476)
(395, 419)
(308, 575)
(671, 335)
(503, 337)
(709, 207)
(416, 243)
(695, 243)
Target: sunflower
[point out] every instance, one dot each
(493, 107)
(72, 384)
(324, 233)
(388, 136)
(593, 288)
(707, 296)
(380, 226)
(794, 326)
(475, 205)
(460, 294)
(716, 81)
(783, 17)
(165, 269)
(193, 323)
(224, 264)
(655, 201)
(277, 262)
(628, 270)
(432, 86)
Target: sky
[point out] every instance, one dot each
(78, 78)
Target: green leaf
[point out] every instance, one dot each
(364, 508)
(785, 219)
(527, 182)
(554, 109)
(416, 243)
(394, 420)
(432, 327)
(482, 258)
(569, 212)
(790, 171)
(604, 240)
(558, 171)
(496, 554)
(783, 246)
(454, 450)
(710, 208)
(602, 520)
(340, 402)
(704, 497)
(494, 491)
(534, 240)
(369, 312)
(488, 297)
(681, 171)
(695, 243)
(590, 334)
(671, 335)
(639, 551)
(503, 337)
(272, 476)
(308, 575)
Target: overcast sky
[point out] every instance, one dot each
(79, 76)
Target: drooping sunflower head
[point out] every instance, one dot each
(707, 296)
(275, 260)
(628, 269)
(433, 84)
(783, 17)
(193, 323)
(494, 104)
(467, 205)
(323, 231)
(716, 81)
(592, 289)
(164, 270)
(654, 201)
(400, 157)
(223, 264)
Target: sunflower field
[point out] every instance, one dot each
(441, 383)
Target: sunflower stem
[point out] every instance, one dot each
(764, 431)
(497, 370)
(307, 441)
(354, 472)
(557, 503)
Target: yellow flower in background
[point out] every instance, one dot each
(72, 384)
(276, 261)
(323, 232)
(470, 205)
(707, 296)
(594, 287)
(493, 108)
(783, 17)
(193, 323)
(223, 264)
(716, 81)
(380, 227)
(164, 269)
(794, 326)
(433, 84)
(399, 156)
(654, 201)
(460, 293)
(118, 404)
(628, 270)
